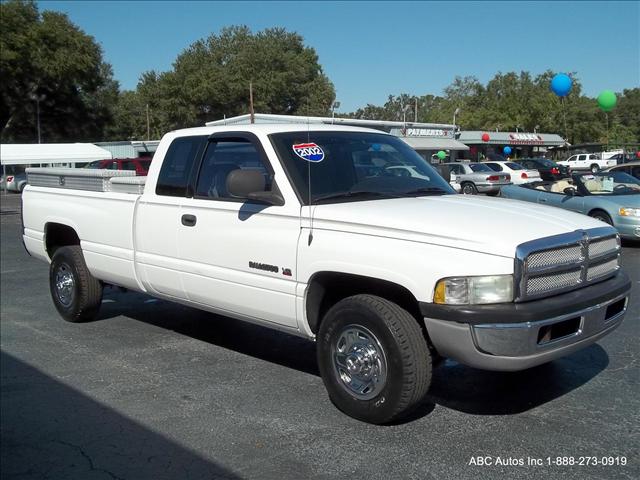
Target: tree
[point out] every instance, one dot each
(513, 101)
(49, 63)
(210, 79)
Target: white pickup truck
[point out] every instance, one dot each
(588, 161)
(313, 231)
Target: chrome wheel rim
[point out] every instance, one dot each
(467, 190)
(359, 362)
(64, 285)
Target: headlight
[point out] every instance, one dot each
(629, 212)
(474, 290)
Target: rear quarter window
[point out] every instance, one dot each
(177, 164)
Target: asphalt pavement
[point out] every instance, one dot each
(154, 390)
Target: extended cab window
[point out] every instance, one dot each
(221, 158)
(176, 166)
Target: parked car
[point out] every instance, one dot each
(548, 169)
(14, 183)
(140, 165)
(272, 224)
(413, 171)
(475, 178)
(588, 161)
(621, 158)
(631, 168)
(612, 197)
(518, 173)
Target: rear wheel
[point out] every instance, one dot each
(373, 358)
(602, 216)
(469, 188)
(76, 294)
(595, 168)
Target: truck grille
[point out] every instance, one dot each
(561, 263)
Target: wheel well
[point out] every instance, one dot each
(327, 288)
(598, 210)
(58, 235)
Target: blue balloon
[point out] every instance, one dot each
(561, 84)
(506, 150)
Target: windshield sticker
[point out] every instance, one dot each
(309, 152)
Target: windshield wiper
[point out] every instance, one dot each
(425, 191)
(352, 194)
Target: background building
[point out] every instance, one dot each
(426, 138)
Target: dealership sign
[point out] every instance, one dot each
(525, 139)
(422, 132)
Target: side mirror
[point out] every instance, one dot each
(444, 171)
(569, 191)
(250, 184)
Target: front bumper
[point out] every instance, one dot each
(517, 336)
(628, 227)
(490, 187)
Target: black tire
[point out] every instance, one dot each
(403, 348)
(602, 216)
(76, 294)
(595, 168)
(468, 188)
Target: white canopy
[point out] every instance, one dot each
(434, 143)
(36, 153)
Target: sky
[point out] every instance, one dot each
(372, 49)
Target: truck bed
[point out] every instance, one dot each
(103, 221)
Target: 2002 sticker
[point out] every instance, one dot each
(309, 152)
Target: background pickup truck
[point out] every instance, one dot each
(293, 229)
(588, 161)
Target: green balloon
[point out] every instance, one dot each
(442, 155)
(607, 100)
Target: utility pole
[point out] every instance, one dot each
(148, 125)
(38, 118)
(253, 120)
(415, 119)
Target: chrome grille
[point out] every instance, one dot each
(603, 247)
(560, 256)
(549, 283)
(561, 263)
(602, 269)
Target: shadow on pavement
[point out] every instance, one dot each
(50, 430)
(253, 340)
(454, 386)
(481, 392)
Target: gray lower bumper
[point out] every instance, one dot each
(517, 346)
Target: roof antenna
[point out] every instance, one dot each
(309, 179)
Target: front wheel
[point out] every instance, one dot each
(373, 358)
(469, 189)
(602, 216)
(76, 294)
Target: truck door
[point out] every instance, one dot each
(581, 163)
(238, 256)
(157, 219)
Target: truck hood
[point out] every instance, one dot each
(489, 225)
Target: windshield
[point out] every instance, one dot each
(514, 166)
(479, 167)
(612, 183)
(355, 166)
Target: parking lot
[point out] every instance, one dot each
(160, 391)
